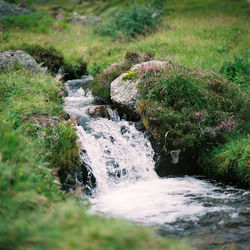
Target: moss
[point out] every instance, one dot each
(131, 76)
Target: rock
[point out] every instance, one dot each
(175, 156)
(7, 9)
(60, 17)
(98, 111)
(87, 78)
(124, 89)
(85, 19)
(9, 58)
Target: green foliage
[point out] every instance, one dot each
(37, 22)
(61, 143)
(188, 109)
(130, 22)
(75, 70)
(238, 70)
(230, 161)
(61, 150)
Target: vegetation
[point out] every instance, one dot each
(188, 109)
(130, 22)
(37, 22)
(231, 160)
(238, 70)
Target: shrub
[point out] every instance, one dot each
(130, 22)
(36, 22)
(238, 70)
(101, 84)
(188, 109)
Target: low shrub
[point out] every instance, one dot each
(230, 161)
(102, 81)
(130, 22)
(188, 109)
(35, 22)
(238, 70)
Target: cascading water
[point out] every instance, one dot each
(121, 159)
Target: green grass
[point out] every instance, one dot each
(230, 161)
(202, 40)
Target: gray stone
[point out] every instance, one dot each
(125, 92)
(8, 59)
(59, 17)
(7, 9)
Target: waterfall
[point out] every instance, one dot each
(117, 153)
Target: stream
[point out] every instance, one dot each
(209, 214)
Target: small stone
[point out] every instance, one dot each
(175, 156)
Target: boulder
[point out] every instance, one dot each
(9, 58)
(124, 89)
(98, 111)
(7, 9)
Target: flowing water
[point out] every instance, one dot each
(121, 158)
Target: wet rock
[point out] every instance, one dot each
(175, 156)
(7, 9)
(98, 111)
(124, 89)
(9, 59)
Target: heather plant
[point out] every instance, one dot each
(188, 109)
